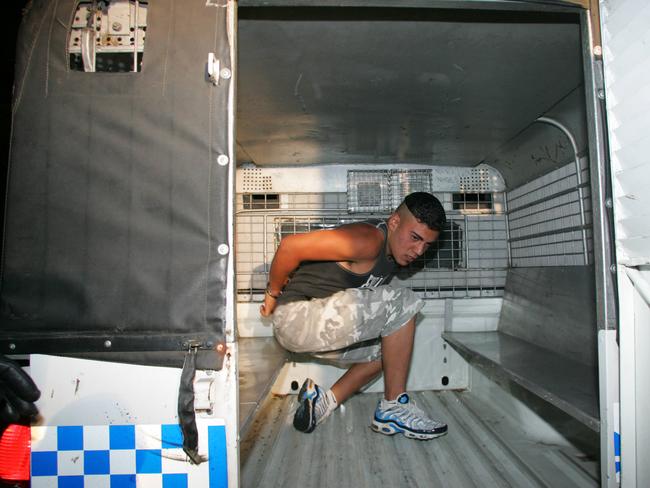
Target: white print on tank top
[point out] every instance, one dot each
(373, 281)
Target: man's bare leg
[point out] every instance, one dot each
(397, 414)
(396, 352)
(357, 376)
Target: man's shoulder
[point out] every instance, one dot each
(366, 236)
(363, 230)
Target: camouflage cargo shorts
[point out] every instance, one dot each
(346, 327)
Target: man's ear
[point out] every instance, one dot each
(393, 222)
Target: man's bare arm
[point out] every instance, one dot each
(354, 243)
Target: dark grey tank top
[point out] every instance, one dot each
(320, 279)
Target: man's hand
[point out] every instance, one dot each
(17, 393)
(266, 309)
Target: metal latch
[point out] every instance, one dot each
(215, 71)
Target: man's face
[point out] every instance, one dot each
(408, 238)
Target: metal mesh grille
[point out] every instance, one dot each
(469, 260)
(478, 180)
(544, 220)
(383, 190)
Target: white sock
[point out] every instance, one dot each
(325, 407)
(333, 401)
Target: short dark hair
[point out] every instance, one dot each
(427, 209)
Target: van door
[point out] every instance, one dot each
(627, 96)
(118, 230)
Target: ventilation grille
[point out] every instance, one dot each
(478, 180)
(381, 191)
(253, 181)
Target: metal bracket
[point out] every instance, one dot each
(88, 49)
(214, 69)
(599, 78)
(194, 344)
(203, 399)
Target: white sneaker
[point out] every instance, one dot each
(315, 405)
(403, 416)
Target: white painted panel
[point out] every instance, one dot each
(250, 323)
(636, 153)
(86, 392)
(626, 57)
(334, 178)
(642, 339)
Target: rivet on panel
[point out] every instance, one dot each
(223, 249)
(223, 160)
(12, 346)
(225, 73)
(107, 344)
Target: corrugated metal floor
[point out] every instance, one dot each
(490, 450)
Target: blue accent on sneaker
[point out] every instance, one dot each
(305, 418)
(403, 398)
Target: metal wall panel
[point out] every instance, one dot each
(544, 223)
(553, 307)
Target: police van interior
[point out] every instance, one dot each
(341, 112)
(161, 150)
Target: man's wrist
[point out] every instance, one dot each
(271, 294)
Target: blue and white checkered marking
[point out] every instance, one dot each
(126, 456)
